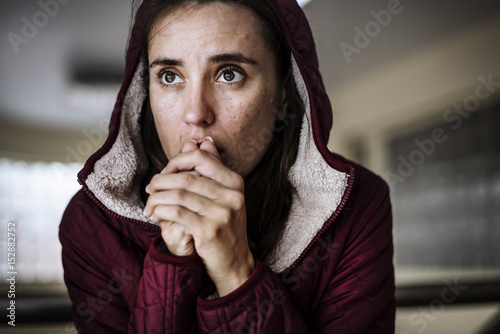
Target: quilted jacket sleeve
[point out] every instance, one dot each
(261, 305)
(169, 293)
(168, 289)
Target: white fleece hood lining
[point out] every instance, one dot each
(117, 176)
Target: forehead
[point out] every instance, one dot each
(209, 25)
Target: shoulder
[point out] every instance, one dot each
(80, 212)
(362, 183)
(366, 206)
(367, 191)
(83, 225)
(366, 220)
(87, 223)
(80, 201)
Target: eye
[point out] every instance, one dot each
(230, 76)
(170, 78)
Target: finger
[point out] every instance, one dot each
(193, 183)
(199, 204)
(179, 215)
(189, 146)
(174, 233)
(208, 166)
(178, 241)
(209, 146)
(181, 197)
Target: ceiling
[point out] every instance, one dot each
(66, 74)
(426, 58)
(40, 83)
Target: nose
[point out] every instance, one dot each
(199, 104)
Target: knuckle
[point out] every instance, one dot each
(179, 195)
(177, 213)
(224, 216)
(238, 182)
(158, 214)
(185, 179)
(236, 200)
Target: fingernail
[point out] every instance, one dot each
(209, 138)
(164, 170)
(192, 140)
(145, 211)
(147, 189)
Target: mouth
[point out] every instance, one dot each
(198, 142)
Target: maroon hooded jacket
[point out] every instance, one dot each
(332, 271)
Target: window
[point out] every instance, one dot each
(446, 211)
(34, 195)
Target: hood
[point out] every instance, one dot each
(113, 174)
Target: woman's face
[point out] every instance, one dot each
(212, 74)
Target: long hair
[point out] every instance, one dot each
(268, 193)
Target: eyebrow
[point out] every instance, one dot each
(166, 62)
(225, 57)
(232, 57)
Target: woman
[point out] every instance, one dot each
(215, 205)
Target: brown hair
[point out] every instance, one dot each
(268, 192)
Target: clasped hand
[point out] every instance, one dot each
(200, 206)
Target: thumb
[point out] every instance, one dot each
(209, 146)
(189, 146)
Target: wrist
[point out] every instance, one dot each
(235, 279)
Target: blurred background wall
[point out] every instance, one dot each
(415, 88)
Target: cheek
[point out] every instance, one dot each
(164, 120)
(252, 118)
(252, 131)
(262, 115)
(160, 102)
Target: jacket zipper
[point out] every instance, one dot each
(326, 225)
